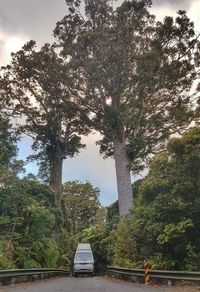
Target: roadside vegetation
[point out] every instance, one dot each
(163, 226)
(128, 77)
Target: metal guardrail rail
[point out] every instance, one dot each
(159, 274)
(17, 273)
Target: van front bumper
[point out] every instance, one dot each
(83, 268)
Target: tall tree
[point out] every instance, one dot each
(31, 87)
(134, 74)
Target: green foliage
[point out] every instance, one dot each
(164, 224)
(27, 220)
(138, 96)
(123, 246)
(165, 220)
(52, 255)
(98, 237)
(172, 231)
(134, 74)
(28, 215)
(192, 259)
(81, 203)
(5, 263)
(112, 215)
(161, 262)
(140, 92)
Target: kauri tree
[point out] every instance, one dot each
(133, 74)
(31, 87)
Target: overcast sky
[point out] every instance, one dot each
(22, 20)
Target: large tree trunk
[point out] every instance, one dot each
(125, 193)
(56, 177)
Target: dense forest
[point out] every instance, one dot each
(163, 226)
(125, 75)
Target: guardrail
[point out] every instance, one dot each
(159, 274)
(12, 275)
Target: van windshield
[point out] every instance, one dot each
(83, 256)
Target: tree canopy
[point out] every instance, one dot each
(32, 89)
(134, 75)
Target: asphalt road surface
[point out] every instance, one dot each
(83, 284)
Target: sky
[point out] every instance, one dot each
(22, 20)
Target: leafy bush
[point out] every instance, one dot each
(5, 263)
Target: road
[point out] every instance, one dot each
(83, 284)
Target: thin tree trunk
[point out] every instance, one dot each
(56, 178)
(125, 192)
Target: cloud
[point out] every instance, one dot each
(10, 43)
(1, 48)
(194, 15)
(179, 4)
(36, 19)
(170, 10)
(90, 166)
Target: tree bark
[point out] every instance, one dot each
(56, 177)
(125, 192)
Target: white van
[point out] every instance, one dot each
(83, 260)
